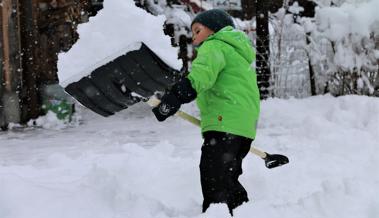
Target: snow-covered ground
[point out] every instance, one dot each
(131, 166)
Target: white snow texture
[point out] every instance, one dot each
(118, 28)
(131, 166)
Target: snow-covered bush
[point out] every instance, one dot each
(288, 57)
(351, 28)
(335, 51)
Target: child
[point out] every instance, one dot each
(225, 87)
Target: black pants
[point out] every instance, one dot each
(220, 167)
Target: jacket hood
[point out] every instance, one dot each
(238, 40)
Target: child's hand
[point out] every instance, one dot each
(169, 105)
(180, 93)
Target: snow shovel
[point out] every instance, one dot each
(123, 82)
(132, 77)
(271, 160)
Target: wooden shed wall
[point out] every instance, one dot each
(33, 32)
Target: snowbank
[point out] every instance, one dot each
(118, 28)
(131, 166)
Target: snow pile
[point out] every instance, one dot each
(178, 16)
(295, 8)
(349, 18)
(129, 165)
(331, 142)
(289, 58)
(52, 122)
(377, 54)
(349, 26)
(339, 43)
(49, 121)
(118, 28)
(202, 4)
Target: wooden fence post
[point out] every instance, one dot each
(2, 120)
(30, 103)
(263, 47)
(376, 81)
(247, 9)
(11, 61)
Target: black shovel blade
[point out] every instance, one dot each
(115, 85)
(275, 160)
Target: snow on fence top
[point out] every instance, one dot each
(118, 28)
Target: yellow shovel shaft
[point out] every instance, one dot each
(153, 102)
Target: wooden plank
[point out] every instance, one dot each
(2, 121)
(47, 28)
(6, 12)
(1, 56)
(11, 62)
(14, 47)
(248, 9)
(31, 106)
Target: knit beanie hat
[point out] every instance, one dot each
(214, 19)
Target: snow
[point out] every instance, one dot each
(118, 28)
(203, 4)
(340, 40)
(289, 57)
(130, 165)
(350, 18)
(49, 121)
(177, 15)
(376, 54)
(351, 29)
(295, 8)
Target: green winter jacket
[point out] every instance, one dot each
(226, 84)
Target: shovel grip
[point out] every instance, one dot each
(153, 102)
(259, 153)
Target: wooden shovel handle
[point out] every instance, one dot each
(153, 102)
